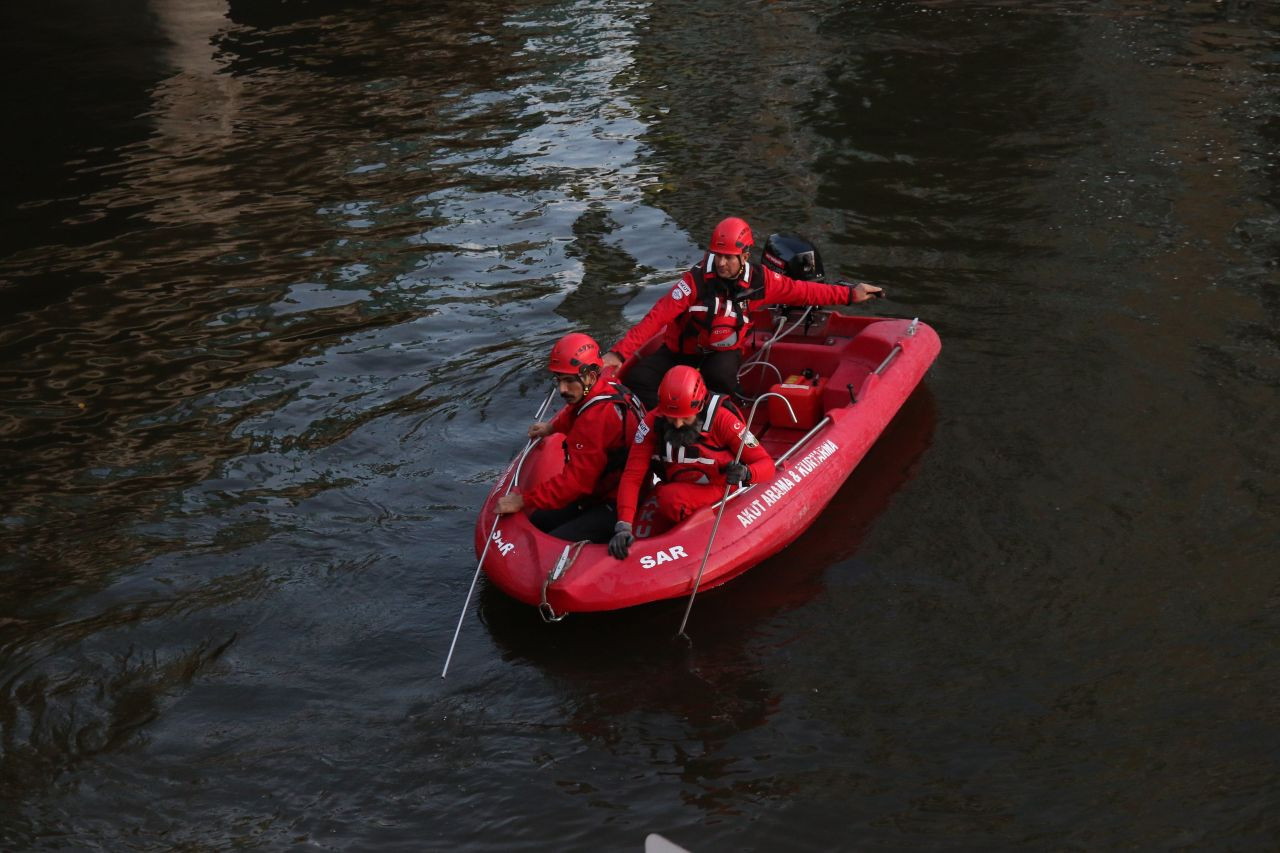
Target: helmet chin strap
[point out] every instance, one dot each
(742, 264)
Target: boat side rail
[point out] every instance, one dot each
(790, 451)
(800, 442)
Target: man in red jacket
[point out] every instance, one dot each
(706, 316)
(598, 420)
(691, 438)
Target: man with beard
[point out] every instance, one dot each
(705, 318)
(691, 438)
(598, 419)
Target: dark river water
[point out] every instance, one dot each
(278, 282)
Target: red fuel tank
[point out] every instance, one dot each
(805, 396)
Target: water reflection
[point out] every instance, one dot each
(313, 275)
(249, 276)
(279, 279)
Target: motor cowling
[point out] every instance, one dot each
(794, 257)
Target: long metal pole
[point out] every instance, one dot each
(723, 502)
(542, 410)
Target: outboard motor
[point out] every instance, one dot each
(793, 256)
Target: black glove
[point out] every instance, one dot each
(620, 544)
(736, 474)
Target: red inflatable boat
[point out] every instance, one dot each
(844, 377)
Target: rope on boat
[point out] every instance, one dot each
(567, 558)
(757, 358)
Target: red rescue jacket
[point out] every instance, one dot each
(721, 429)
(597, 433)
(701, 297)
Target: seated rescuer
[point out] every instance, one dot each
(706, 315)
(692, 436)
(599, 418)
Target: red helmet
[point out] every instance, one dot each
(574, 353)
(682, 392)
(731, 237)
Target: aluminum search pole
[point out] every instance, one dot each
(723, 502)
(542, 410)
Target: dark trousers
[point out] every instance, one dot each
(719, 370)
(576, 522)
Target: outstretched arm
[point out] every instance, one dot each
(781, 290)
(672, 304)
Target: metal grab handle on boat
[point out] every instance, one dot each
(724, 500)
(897, 348)
(542, 410)
(888, 359)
